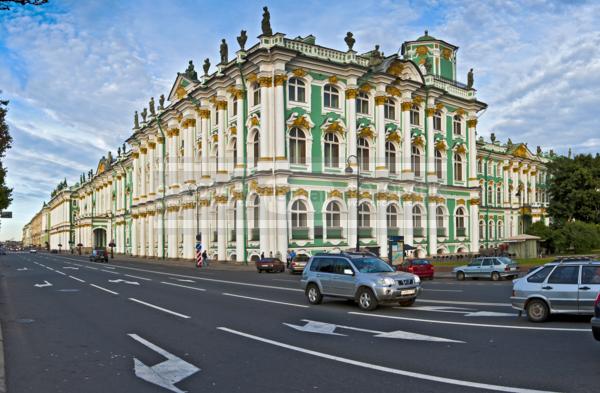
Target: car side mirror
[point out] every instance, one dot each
(348, 272)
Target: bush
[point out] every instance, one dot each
(577, 236)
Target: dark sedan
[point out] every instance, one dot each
(99, 255)
(273, 265)
(596, 319)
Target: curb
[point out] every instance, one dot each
(2, 373)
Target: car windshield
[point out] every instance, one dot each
(371, 265)
(301, 258)
(420, 262)
(506, 261)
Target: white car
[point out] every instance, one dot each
(33, 251)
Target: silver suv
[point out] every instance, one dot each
(563, 287)
(368, 280)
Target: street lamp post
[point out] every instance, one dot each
(349, 170)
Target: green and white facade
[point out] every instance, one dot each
(254, 157)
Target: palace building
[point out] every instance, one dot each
(262, 155)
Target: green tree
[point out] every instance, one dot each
(5, 144)
(5, 4)
(574, 189)
(547, 235)
(578, 236)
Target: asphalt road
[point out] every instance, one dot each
(132, 326)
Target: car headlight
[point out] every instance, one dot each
(387, 281)
(417, 279)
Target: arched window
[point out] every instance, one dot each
(255, 147)
(458, 167)
(417, 218)
(331, 97)
(255, 94)
(490, 195)
(415, 117)
(500, 229)
(440, 221)
(389, 109)
(363, 153)
(392, 216)
(296, 90)
(460, 222)
(437, 121)
(297, 146)
(234, 107)
(332, 150)
(362, 103)
(457, 125)
(299, 215)
(390, 157)
(255, 211)
(439, 164)
(499, 195)
(479, 166)
(333, 215)
(364, 215)
(234, 151)
(481, 230)
(491, 229)
(415, 161)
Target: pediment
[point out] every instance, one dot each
(181, 88)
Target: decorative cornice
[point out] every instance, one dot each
(460, 202)
(412, 197)
(299, 72)
(301, 192)
(437, 199)
(335, 194)
(221, 199)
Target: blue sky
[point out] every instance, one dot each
(75, 71)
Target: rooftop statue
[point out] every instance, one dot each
(118, 152)
(190, 72)
(493, 137)
(151, 106)
(241, 39)
(123, 148)
(350, 40)
(266, 22)
(223, 51)
(136, 121)
(538, 151)
(470, 79)
(144, 115)
(206, 66)
(161, 102)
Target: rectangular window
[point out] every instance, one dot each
(437, 121)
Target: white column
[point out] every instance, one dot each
(204, 130)
(432, 234)
(204, 227)
(240, 138)
(279, 108)
(429, 112)
(173, 159)
(380, 168)
(151, 190)
(352, 221)
(172, 232)
(222, 229)
(406, 142)
(160, 239)
(142, 235)
(505, 190)
(381, 226)
(160, 150)
(265, 225)
(188, 152)
(282, 230)
(471, 125)
(221, 113)
(142, 160)
(135, 175)
(474, 218)
(265, 124)
(150, 235)
(351, 116)
(188, 232)
(134, 238)
(408, 222)
(240, 227)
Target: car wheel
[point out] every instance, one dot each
(313, 294)
(258, 270)
(596, 333)
(366, 299)
(407, 303)
(495, 276)
(537, 310)
(460, 276)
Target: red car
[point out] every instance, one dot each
(421, 267)
(272, 265)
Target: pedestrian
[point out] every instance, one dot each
(292, 256)
(262, 255)
(204, 258)
(288, 258)
(270, 254)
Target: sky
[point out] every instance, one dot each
(75, 71)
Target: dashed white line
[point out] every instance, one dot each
(91, 267)
(109, 271)
(376, 367)
(266, 300)
(160, 308)
(61, 273)
(138, 277)
(77, 279)
(183, 286)
(104, 289)
(421, 300)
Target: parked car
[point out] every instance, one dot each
(298, 263)
(421, 267)
(99, 255)
(596, 319)
(270, 265)
(488, 267)
(361, 277)
(32, 250)
(564, 287)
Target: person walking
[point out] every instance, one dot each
(204, 258)
(262, 255)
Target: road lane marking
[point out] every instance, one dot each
(183, 286)
(124, 282)
(160, 308)
(104, 289)
(109, 267)
(470, 324)
(406, 373)
(441, 290)
(286, 280)
(75, 278)
(91, 267)
(316, 327)
(71, 267)
(109, 271)
(139, 278)
(451, 310)
(266, 300)
(166, 373)
(45, 284)
(181, 280)
(22, 269)
(61, 273)
(465, 303)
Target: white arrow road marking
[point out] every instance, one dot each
(181, 280)
(165, 374)
(395, 334)
(316, 327)
(71, 267)
(22, 269)
(138, 277)
(124, 282)
(406, 373)
(490, 314)
(45, 284)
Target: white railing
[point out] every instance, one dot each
(449, 88)
(324, 53)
